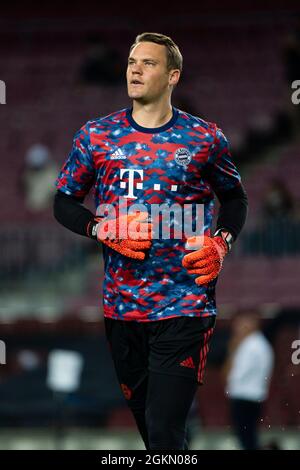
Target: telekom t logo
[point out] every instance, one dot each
(131, 177)
(131, 185)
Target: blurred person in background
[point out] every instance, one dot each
(159, 298)
(278, 202)
(247, 371)
(277, 233)
(38, 178)
(280, 227)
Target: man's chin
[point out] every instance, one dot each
(138, 98)
(135, 95)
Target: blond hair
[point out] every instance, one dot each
(174, 57)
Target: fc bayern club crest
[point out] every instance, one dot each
(182, 156)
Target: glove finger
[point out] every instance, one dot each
(138, 225)
(145, 227)
(139, 255)
(199, 242)
(205, 279)
(205, 263)
(136, 245)
(141, 231)
(203, 271)
(208, 269)
(141, 216)
(198, 255)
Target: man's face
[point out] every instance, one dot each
(148, 77)
(245, 324)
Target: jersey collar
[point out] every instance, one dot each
(151, 130)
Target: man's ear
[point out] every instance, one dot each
(174, 77)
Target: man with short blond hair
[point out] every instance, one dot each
(159, 292)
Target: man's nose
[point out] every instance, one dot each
(137, 68)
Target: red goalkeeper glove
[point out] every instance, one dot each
(128, 234)
(207, 261)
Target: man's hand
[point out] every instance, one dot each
(129, 235)
(207, 261)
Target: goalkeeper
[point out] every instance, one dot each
(158, 294)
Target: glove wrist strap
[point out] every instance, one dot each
(226, 236)
(92, 228)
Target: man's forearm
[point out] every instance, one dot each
(70, 212)
(233, 210)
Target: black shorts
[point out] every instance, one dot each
(176, 346)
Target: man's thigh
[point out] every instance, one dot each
(129, 349)
(179, 346)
